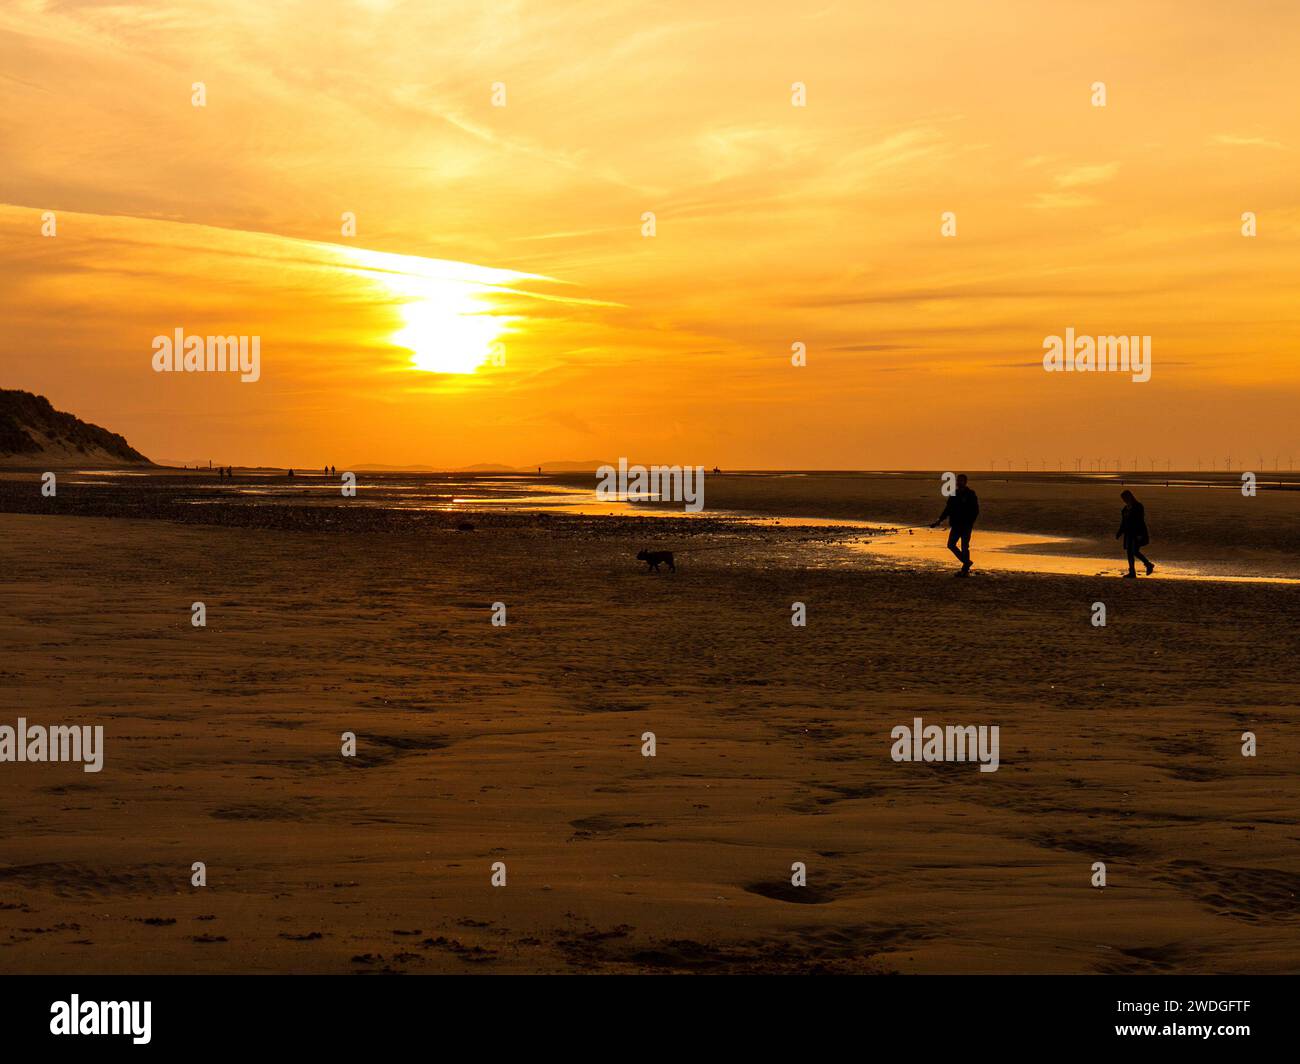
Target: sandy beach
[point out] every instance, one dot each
(522, 744)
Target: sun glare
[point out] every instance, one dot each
(449, 331)
(450, 320)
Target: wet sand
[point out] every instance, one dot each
(522, 745)
(1209, 528)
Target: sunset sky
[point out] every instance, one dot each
(775, 224)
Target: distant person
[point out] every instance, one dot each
(1133, 529)
(962, 509)
(290, 472)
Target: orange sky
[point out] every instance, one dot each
(775, 224)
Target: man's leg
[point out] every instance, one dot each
(966, 563)
(954, 534)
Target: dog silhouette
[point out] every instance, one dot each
(655, 558)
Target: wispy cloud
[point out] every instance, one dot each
(1086, 175)
(1246, 142)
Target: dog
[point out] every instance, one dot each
(654, 558)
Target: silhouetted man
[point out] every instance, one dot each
(1133, 530)
(962, 509)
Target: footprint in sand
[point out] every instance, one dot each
(784, 891)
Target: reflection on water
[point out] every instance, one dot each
(506, 492)
(1014, 552)
(997, 552)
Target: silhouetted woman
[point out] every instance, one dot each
(1133, 527)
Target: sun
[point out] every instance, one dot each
(451, 316)
(449, 330)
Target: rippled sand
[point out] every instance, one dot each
(522, 745)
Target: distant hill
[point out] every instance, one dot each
(32, 432)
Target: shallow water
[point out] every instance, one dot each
(992, 551)
(1014, 552)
